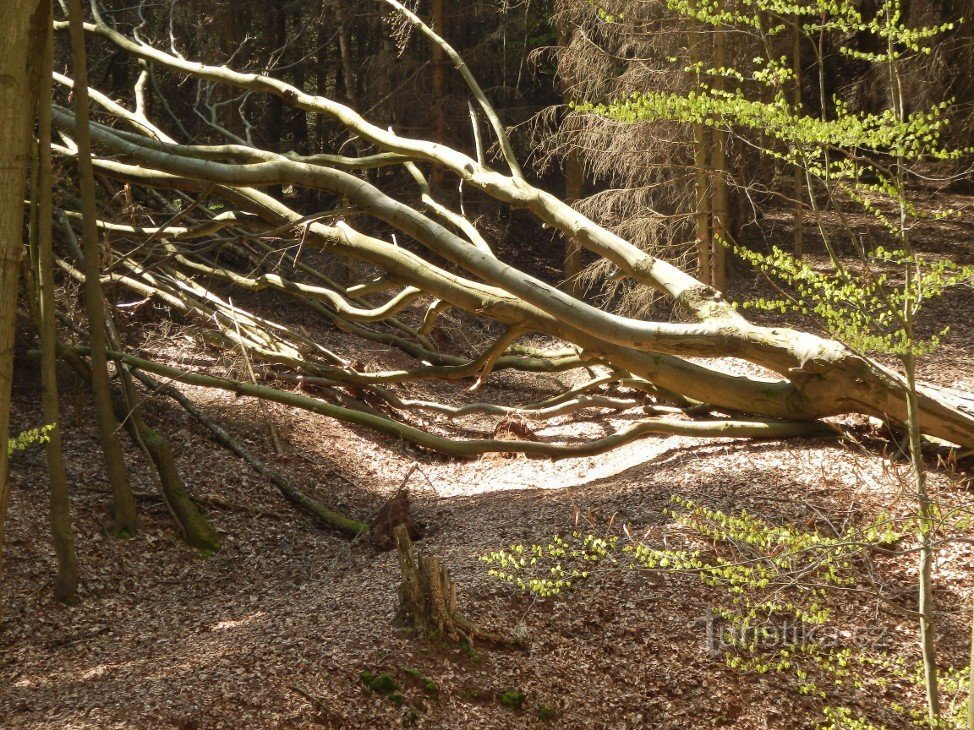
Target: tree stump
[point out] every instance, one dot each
(428, 598)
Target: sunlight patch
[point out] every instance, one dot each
(223, 625)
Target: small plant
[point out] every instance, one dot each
(29, 438)
(474, 694)
(410, 717)
(382, 684)
(512, 699)
(773, 585)
(428, 685)
(547, 713)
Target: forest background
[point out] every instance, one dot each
(806, 163)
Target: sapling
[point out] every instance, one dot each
(845, 156)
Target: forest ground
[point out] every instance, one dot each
(276, 629)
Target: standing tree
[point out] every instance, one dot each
(66, 582)
(22, 65)
(125, 516)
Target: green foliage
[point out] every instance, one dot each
(767, 574)
(604, 15)
(856, 154)
(773, 584)
(382, 684)
(540, 569)
(749, 555)
(847, 151)
(547, 713)
(862, 309)
(29, 438)
(474, 694)
(513, 699)
(428, 685)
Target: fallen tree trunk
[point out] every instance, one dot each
(817, 377)
(319, 512)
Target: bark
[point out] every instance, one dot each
(22, 35)
(701, 175)
(66, 581)
(721, 193)
(124, 508)
(428, 598)
(196, 530)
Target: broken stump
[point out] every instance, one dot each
(428, 598)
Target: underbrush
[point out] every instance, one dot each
(782, 604)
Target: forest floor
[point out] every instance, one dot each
(277, 628)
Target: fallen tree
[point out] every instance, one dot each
(198, 254)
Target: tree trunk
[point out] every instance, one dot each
(798, 176)
(196, 530)
(438, 79)
(574, 180)
(22, 35)
(574, 188)
(721, 193)
(428, 598)
(125, 517)
(66, 582)
(701, 174)
(817, 377)
(349, 78)
(970, 677)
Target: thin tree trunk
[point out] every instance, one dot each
(66, 582)
(125, 517)
(574, 181)
(574, 184)
(701, 166)
(798, 176)
(721, 196)
(322, 68)
(926, 509)
(970, 679)
(926, 520)
(345, 54)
